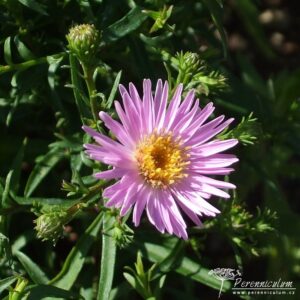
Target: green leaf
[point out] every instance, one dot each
(54, 63)
(78, 90)
(74, 143)
(160, 17)
(13, 177)
(156, 40)
(5, 248)
(187, 267)
(124, 26)
(13, 108)
(34, 5)
(216, 12)
(23, 240)
(160, 285)
(6, 200)
(121, 291)
(41, 169)
(7, 282)
(87, 290)
(76, 258)
(135, 283)
(174, 258)
(7, 51)
(48, 292)
(114, 89)
(108, 257)
(1, 186)
(45, 201)
(32, 269)
(23, 50)
(232, 106)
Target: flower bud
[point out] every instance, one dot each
(50, 226)
(191, 58)
(122, 234)
(191, 62)
(84, 41)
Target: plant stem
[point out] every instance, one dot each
(108, 257)
(27, 64)
(88, 76)
(17, 293)
(77, 88)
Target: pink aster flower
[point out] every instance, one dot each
(162, 157)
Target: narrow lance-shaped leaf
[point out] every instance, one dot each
(215, 10)
(64, 203)
(23, 50)
(13, 177)
(13, 108)
(34, 5)
(6, 283)
(23, 240)
(108, 257)
(135, 283)
(76, 258)
(32, 269)
(41, 169)
(78, 89)
(7, 51)
(174, 258)
(124, 26)
(54, 63)
(46, 292)
(187, 267)
(114, 89)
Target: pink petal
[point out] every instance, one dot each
(130, 197)
(160, 118)
(139, 207)
(214, 147)
(111, 174)
(174, 104)
(116, 128)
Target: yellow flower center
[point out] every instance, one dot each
(161, 160)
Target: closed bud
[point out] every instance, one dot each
(192, 60)
(50, 226)
(122, 234)
(84, 41)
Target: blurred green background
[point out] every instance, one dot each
(248, 55)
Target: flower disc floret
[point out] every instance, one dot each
(161, 160)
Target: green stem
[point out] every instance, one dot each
(77, 88)
(17, 293)
(88, 76)
(27, 64)
(108, 257)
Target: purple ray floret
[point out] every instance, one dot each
(163, 157)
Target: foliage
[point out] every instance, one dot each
(48, 90)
